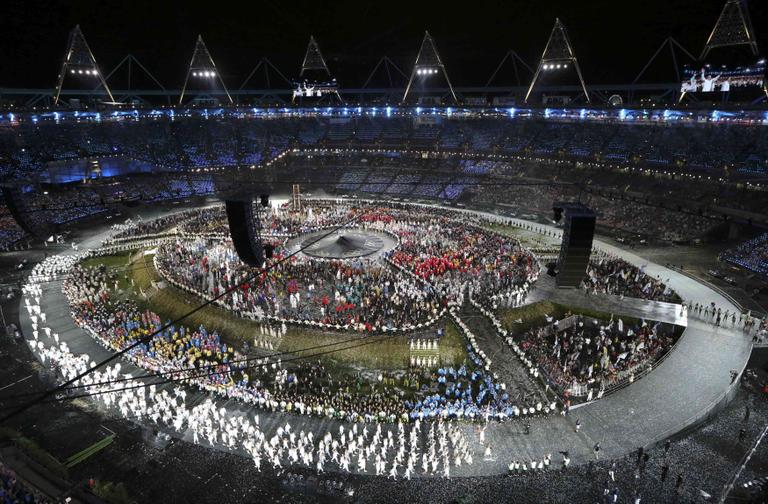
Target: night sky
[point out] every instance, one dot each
(612, 38)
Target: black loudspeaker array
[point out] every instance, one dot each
(578, 232)
(245, 228)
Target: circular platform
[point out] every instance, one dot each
(344, 244)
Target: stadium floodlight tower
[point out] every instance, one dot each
(558, 55)
(79, 63)
(733, 28)
(427, 65)
(203, 70)
(315, 80)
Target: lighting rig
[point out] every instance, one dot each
(80, 63)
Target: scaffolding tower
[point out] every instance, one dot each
(296, 197)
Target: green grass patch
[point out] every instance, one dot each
(453, 348)
(503, 229)
(388, 353)
(110, 261)
(525, 237)
(143, 272)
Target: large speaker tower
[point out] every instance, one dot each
(578, 232)
(245, 228)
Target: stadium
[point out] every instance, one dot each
(314, 289)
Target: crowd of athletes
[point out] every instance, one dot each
(440, 256)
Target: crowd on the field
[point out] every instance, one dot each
(363, 294)
(442, 256)
(306, 387)
(583, 356)
(608, 274)
(457, 252)
(396, 450)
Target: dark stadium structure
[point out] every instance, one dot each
(411, 290)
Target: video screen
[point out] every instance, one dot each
(308, 88)
(722, 78)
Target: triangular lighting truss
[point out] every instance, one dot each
(733, 28)
(202, 69)
(558, 55)
(428, 64)
(313, 59)
(79, 63)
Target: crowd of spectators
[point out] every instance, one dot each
(751, 254)
(218, 140)
(44, 209)
(699, 162)
(14, 491)
(10, 231)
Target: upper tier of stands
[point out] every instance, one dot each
(733, 151)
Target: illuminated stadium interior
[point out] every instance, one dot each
(412, 288)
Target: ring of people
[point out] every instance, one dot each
(380, 338)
